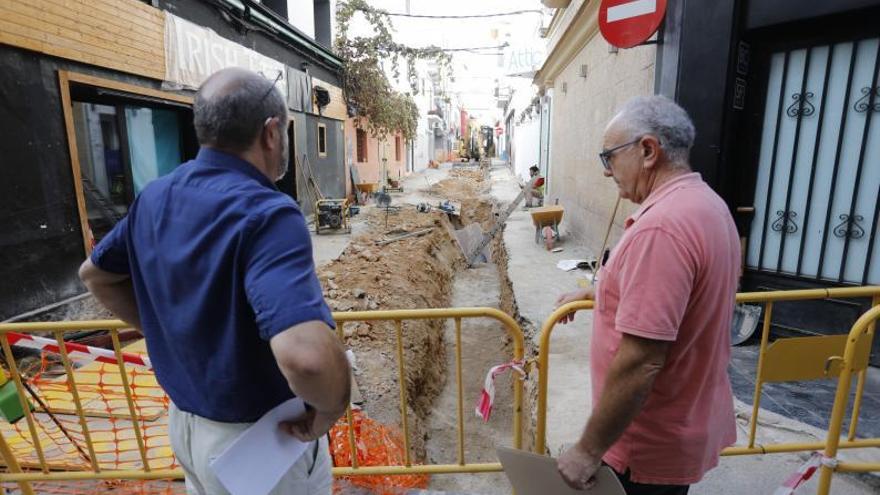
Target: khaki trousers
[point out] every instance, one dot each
(196, 441)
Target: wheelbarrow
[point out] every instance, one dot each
(547, 216)
(366, 189)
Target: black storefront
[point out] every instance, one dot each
(786, 100)
(127, 129)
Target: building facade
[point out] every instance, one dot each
(376, 159)
(589, 81)
(97, 102)
(522, 129)
(784, 96)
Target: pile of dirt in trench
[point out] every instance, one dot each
(411, 273)
(469, 188)
(407, 274)
(462, 184)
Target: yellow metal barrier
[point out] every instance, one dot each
(840, 356)
(851, 362)
(31, 442)
(790, 359)
(544, 368)
(457, 314)
(44, 426)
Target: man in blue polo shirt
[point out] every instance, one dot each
(214, 265)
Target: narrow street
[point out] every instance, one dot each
(483, 341)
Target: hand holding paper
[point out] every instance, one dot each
(255, 462)
(311, 425)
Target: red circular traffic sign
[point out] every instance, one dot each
(627, 23)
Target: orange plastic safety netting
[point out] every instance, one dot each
(114, 443)
(377, 445)
(62, 438)
(114, 487)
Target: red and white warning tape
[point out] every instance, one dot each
(77, 352)
(487, 396)
(804, 473)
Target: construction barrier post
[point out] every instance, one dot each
(863, 326)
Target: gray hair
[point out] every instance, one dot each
(232, 119)
(661, 117)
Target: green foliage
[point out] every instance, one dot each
(366, 87)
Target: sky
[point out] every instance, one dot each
(475, 73)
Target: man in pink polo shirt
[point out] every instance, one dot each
(662, 402)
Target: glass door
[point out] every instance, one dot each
(121, 148)
(816, 197)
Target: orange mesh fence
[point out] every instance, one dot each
(377, 445)
(98, 487)
(108, 423)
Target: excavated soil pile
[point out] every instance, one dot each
(410, 273)
(469, 188)
(415, 272)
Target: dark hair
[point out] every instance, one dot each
(234, 118)
(534, 168)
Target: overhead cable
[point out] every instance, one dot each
(472, 16)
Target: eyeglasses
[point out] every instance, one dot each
(606, 155)
(277, 78)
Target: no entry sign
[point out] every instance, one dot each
(626, 23)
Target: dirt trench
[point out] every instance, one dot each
(425, 272)
(411, 273)
(485, 344)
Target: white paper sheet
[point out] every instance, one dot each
(568, 265)
(255, 462)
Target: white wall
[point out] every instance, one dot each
(578, 116)
(526, 146)
(422, 153)
(423, 148)
(301, 14)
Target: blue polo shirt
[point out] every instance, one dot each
(221, 261)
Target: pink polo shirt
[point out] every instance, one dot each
(673, 277)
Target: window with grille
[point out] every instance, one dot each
(817, 198)
(361, 145)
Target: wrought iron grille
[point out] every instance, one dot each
(817, 197)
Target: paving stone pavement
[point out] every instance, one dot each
(809, 402)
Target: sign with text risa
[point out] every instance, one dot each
(628, 23)
(193, 52)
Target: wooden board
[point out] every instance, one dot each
(123, 35)
(336, 109)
